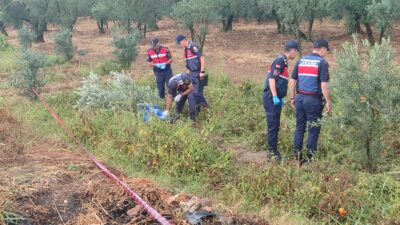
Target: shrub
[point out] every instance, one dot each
(4, 45)
(63, 44)
(368, 90)
(120, 93)
(28, 77)
(25, 37)
(105, 68)
(126, 47)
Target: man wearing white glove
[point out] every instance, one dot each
(182, 87)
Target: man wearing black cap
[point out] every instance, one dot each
(195, 63)
(309, 92)
(275, 89)
(182, 87)
(160, 58)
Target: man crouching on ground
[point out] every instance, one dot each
(182, 87)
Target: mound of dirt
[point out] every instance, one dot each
(60, 187)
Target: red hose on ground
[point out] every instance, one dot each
(162, 220)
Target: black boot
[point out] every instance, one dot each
(275, 154)
(299, 157)
(193, 117)
(310, 154)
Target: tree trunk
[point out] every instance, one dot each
(3, 28)
(40, 28)
(381, 35)
(310, 27)
(72, 25)
(202, 41)
(357, 27)
(298, 37)
(128, 26)
(100, 25)
(370, 34)
(192, 33)
(39, 38)
(227, 23)
(144, 30)
(280, 27)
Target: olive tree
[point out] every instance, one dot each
(126, 49)
(197, 16)
(356, 14)
(101, 12)
(367, 87)
(292, 13)
(66, 12)
(383, 14)
(270, 9)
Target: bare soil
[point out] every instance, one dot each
(243, 54)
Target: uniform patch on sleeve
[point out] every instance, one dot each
(278, 66)
(195, 48)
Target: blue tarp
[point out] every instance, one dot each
(149, 111)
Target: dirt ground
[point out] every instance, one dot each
(242, 54)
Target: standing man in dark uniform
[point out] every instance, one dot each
(195, 63)
(311, 74)
(160, 58)
(275, 90)
(182, 87)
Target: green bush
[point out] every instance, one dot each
(4, 45)
(28, 77)
(120, 93)
(63, 44)
(25, 37)
(105, 68)
(367, 86)
(126, 49)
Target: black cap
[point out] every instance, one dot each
(172, 83)
(319, 43)
(292, 44)
(154, 42)
(180, 38)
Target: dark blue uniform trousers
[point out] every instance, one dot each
(308, 114)
(162, 79)
(191, 97)
(200, 99)
(273, 114)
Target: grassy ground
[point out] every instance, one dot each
(202, 158)
(196, 158)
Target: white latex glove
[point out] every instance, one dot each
(164, 115)
(178, 98)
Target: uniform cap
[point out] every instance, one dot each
(319, 43)
(154, 42)
(292, 44)
(180, 38)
